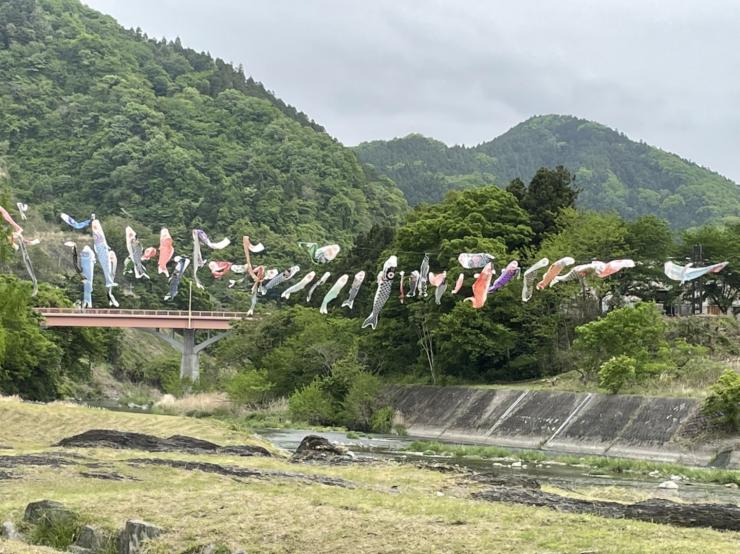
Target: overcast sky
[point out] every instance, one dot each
(666, 72)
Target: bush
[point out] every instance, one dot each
(382, 420)
(617, 372)
(723, 402)
(249, 387)
(638, 332)
(362, 400)
(312, 404)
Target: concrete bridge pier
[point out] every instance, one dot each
(189, 351)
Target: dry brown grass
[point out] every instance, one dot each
(202, 403)
(30, 426)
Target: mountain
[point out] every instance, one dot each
(612, 171)
(97, 118)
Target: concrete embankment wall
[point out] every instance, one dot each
(565, 422)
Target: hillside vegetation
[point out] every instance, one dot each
(612, 171)
(96, 118)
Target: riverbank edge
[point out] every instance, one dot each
(660, 429)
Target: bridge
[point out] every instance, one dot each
(153, 322)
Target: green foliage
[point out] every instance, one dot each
(250, 387)
(96, 118)
(617, 372)
(548, 194)
(362, 403)
(313, 404)
(613, 173)
(382, 421)
(720, 244)
(723, 402)
(638, 333)
(30, 361)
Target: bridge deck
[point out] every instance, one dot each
(149, 319)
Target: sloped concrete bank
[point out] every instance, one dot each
(652, 428)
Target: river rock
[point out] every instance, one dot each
(108, 438)
(10, 532)
(50, 510)
(314, 448)
(134, 534)
(731, 485)
(668, 485)
(91, 538)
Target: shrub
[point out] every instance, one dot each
(723, 402)
(362, 401)
(617, 372)
(638, 332)
(249, 387)
(312, 404)
(382, 420)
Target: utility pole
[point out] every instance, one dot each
(697, 286)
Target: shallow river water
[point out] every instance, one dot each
(562, 476)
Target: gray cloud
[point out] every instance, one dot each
(464, 72)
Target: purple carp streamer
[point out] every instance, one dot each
(333, 293)
(300, 285)
(354, 289)
(508, 273)
(72, 222)
(383, 292)
(321, 254)
(688, 272)
(317, 284)
(476, 260)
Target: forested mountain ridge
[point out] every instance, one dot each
(612, 171)
(96, 118)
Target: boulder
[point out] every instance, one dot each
(314, 448)
(108, 438)
(49, 510)
(91, 538)
(134, 534)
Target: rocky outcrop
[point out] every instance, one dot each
(48, 511)
(314, 448)
(134, 534)
(108, 438)
(92, 539)
(243, 472)
(717, 516)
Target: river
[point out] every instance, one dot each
(552, 473)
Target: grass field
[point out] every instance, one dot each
(391, 508)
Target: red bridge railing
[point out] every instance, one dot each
(143, 313)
